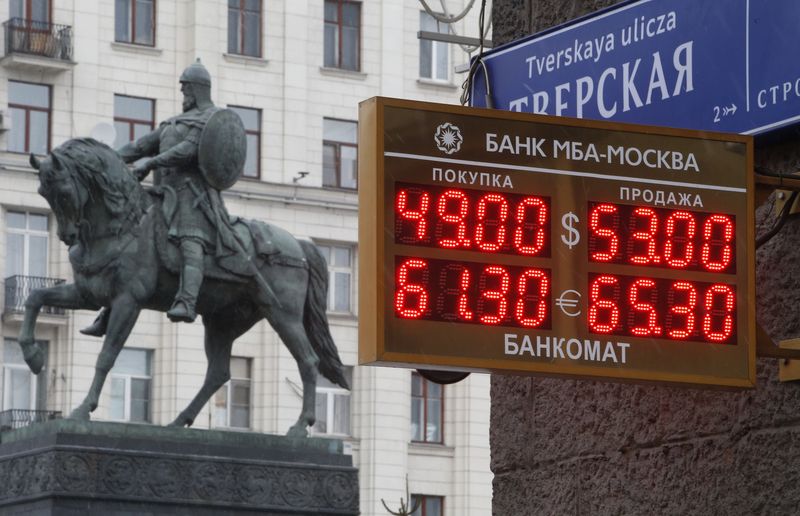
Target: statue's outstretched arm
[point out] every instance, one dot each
(147, 145)
(181, 154)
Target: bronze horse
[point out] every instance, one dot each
(111, 225)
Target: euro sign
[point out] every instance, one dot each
(571, 237)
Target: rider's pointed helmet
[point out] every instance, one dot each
(196, 73)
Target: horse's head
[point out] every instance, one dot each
(64, 193)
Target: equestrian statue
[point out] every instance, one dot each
(174, 248)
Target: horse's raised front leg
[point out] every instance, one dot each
(61, 296)
(219, 337)
(124, 312)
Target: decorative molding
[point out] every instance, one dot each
(110, 476)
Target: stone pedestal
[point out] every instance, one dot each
(66, 467)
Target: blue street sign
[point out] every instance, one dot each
(721, 65)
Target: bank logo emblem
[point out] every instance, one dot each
(448, 138)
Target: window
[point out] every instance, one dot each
(29, 107)
(134, 117)
(26, 244)
(433, 55)
(21, 389)
(244, 27)
(333, 406)
(342, 34)
(427, 505)
(232, 401)
(251, 118)
(340, 274)
(135, 21)
(33, 10)
(427, 410)
(339, 153)
(131, 386)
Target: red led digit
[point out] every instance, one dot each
(608, 233)
(722, 243)
(417, 214)
(644, 236)
(463, 299)
(486, 225)
(540, 296)
(719, 305)
(683, 311)
(603, 312)
(535, 243)
(672, 246)
(499, 296)
(454, 217)
(641, 291)
(410, 299)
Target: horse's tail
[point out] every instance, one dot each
(315, 319)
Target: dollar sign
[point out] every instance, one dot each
(571, 237)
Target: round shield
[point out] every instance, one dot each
(222, 149)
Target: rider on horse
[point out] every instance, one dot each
(198, 221)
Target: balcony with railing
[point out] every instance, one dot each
(18, 288)
(36, 44)
(19, 418)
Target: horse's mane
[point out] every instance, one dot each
(98, 167)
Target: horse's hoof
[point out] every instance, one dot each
(80, 414)
(33, 357)
(181, 422)
(297, 432)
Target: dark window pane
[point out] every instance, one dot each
(331, 45)
(123, 134)
(240, 417)
(37, 222)
(37, 256)
(339, 131)
(240, 393)
(233, 3)
(351, 15)
(350, 48)
(144, 22)
(34, 95)
(349, 167)
(16, 136)
(342, 289)
(233, 31)
(416, 385)
(133, 362)
(17, 9)
(133, 108)
(425, 58)
(39, 132)
(140, 411)
(433, 506)
(249, 117)
(331, 12)
(251, 162)
(140, 130)
(252, 34)
(122, 20)
(329, 165)
(252, 5)
(40, 10)
(417, 417)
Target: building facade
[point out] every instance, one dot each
(295, 72)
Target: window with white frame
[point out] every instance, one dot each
(434, 56)
(340, 276)
(427, 505)
(27, 238)
(232, 400)
(427, 410)
(339, 153)
(333, 406)
(131, 386)
(21, 389)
